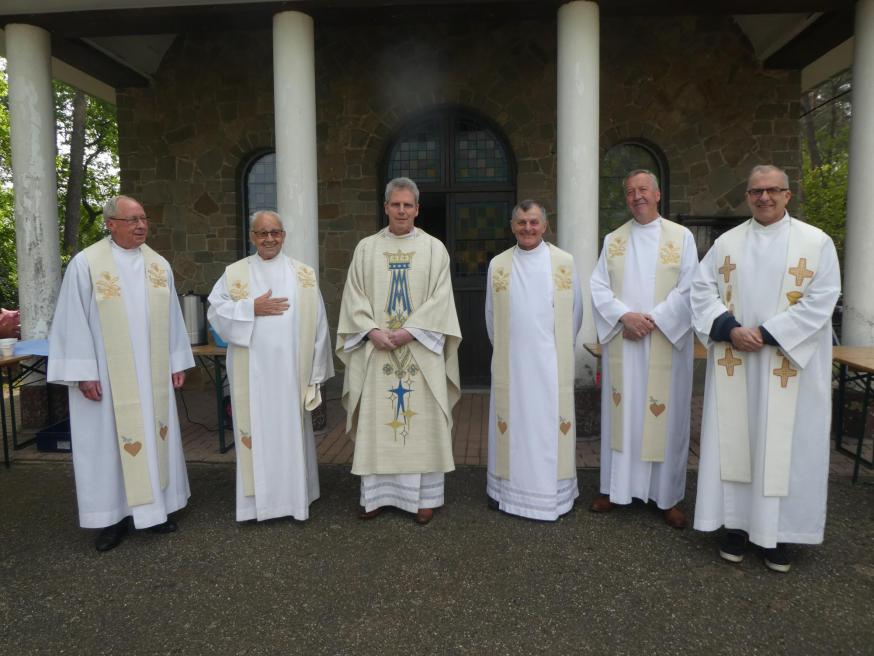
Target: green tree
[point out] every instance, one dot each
(98, 178)
(825, 123)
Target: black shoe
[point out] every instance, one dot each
(111, 536)
(733, 546)
(167, 527)
(777, 559)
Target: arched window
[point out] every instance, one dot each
(617, 162)
(259, 191)
(466, 174)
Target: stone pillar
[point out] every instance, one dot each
(32, 127)
(294, 90)
(578, 159)
(858, 319)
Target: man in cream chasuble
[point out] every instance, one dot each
(398, 337)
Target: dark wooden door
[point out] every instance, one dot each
(465, 171)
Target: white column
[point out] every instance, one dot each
(32, 127)
(858, 320)
(294, 102)
(577, 153)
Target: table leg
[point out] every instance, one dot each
(862, 424)
(8, 374)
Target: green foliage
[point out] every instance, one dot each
(100, 179)
(825, 155)
(8, 270)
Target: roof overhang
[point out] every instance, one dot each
(121, 43)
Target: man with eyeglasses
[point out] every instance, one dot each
(398, 337)
(762, 301)
(269, 310)
(119, 342)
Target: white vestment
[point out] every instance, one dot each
(76, 353)
(800, 516)
(408, 492)
(533, 489)
(624, 475)
(284, 459)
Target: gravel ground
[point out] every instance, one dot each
(474, 581)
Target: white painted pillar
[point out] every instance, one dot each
(578, 158)
(294, 102)
(858, 320)
(32, 127)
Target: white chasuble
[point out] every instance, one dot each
(647, 269)
(533, 313)
(132, 356)
(275, 365)
(399, 403)
(765, 445)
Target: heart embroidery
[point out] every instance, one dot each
(564, 427)
(657, 408)
(502, 426)
(133, 448)
(617, 397)
(162, 431)
(247, 441)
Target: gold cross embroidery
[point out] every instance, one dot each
(800, 272)
(727, 268)
(785, 372)
(729, 361)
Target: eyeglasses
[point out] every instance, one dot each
(772, 191)
(264, 234)
(132, 220)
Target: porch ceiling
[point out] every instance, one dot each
(122, 42)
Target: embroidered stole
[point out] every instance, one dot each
(658, 385)
(122, 370)
(237, 275)
(563, 303)
(802, 259)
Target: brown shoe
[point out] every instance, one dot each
(365, 514)
(602, 504)
(424, 515)
(675, 518)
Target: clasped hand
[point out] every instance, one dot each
(389, 340)
(746, 339)
(636, 325)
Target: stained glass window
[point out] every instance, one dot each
(418, 154)
(482, 230)
(260, 191)
(479, 155)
